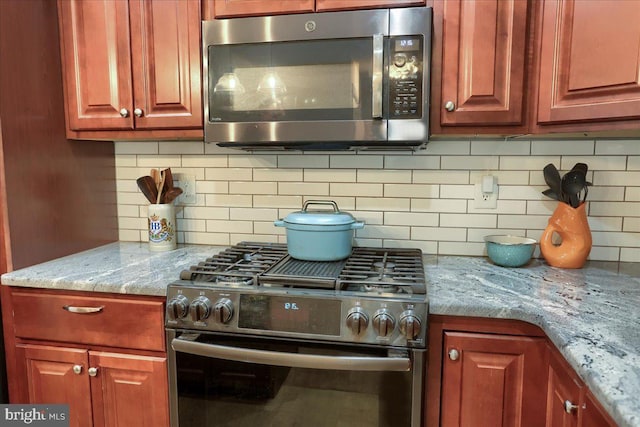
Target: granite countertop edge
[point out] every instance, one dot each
(589, 314)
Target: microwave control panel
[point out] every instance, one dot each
(406, 67)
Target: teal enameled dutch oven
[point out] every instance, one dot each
(319, 235)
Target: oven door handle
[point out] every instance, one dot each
(293, 360)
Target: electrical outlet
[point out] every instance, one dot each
(482, 200)
(188, 185)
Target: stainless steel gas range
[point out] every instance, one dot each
(257, 337)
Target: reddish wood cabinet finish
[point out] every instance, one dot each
(589, 61)
(480, 59)
(237, 8)
(491, 380)
(131, 65)
(82, 361)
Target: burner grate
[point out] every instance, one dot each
(240, 264)
(384, 270)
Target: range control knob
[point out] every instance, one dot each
(357, 320)
(223, 310)
(410, 324)
(383, 322)
(177, 307)
(200, 309)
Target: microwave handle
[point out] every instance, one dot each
(376, 81)
(293, 360)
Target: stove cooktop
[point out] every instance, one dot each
(375, 296)
(375, 270)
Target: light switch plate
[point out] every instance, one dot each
(188, 185)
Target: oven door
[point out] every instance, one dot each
(249, 381)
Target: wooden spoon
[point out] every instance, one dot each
(161, 188)
(147, 185)
(171, 194)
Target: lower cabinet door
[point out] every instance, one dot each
(58, 375)
(129, 390)
(492, 380)
(563, 395)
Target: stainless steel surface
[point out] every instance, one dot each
(376, 296)
(77, 369)
(378, 77)
(293, 360)
(137, 112)
(453, 354)
(124, 112)
(450, 106)
(377, 132)
(569, 407)
(83, 310)
(92, 372)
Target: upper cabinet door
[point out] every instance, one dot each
(589, 61)
(482, 71)
(324, 5)
(236, 8)
(97, 64)
(165, 46)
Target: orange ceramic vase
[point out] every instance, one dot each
(572, 227)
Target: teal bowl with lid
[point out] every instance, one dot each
(510, 251)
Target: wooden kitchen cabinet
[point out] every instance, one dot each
(491, 380)
(480, 58)
(236, 8)
(131, 68)
(589, 59)
(102, 354)
(569, 402)
(488, 372)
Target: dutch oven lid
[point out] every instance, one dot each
(320, 217)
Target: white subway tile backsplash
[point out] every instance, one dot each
(440, 177)
(382, 204)
(385, 176)
(191, 161)
(307, 188)
(183, 147)
(413, 190)
(618, 147)
(362, 190)
(348, 161)
(278, 175)
(329, 175)
(502, 147)
(564, 147)
(423, 199)
(244, 187)
(229, 174)
(629, 255)
(470, 162)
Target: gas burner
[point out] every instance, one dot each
(384, 266)
(234, 280)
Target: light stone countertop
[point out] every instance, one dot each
(592, 314)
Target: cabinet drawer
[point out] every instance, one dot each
(115, 322)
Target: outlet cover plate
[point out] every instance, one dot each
(485, 200)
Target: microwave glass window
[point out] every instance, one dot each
(310, 80)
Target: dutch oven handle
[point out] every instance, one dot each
(320, 202)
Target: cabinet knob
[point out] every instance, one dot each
(137, 112)
(124, 112)
(569, 407)
(454, 354)
(93, 372)
(450, 106)
(77, 369)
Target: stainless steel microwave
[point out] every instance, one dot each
(319, 81)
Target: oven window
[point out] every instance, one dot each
(215, 392)
(307, 80)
